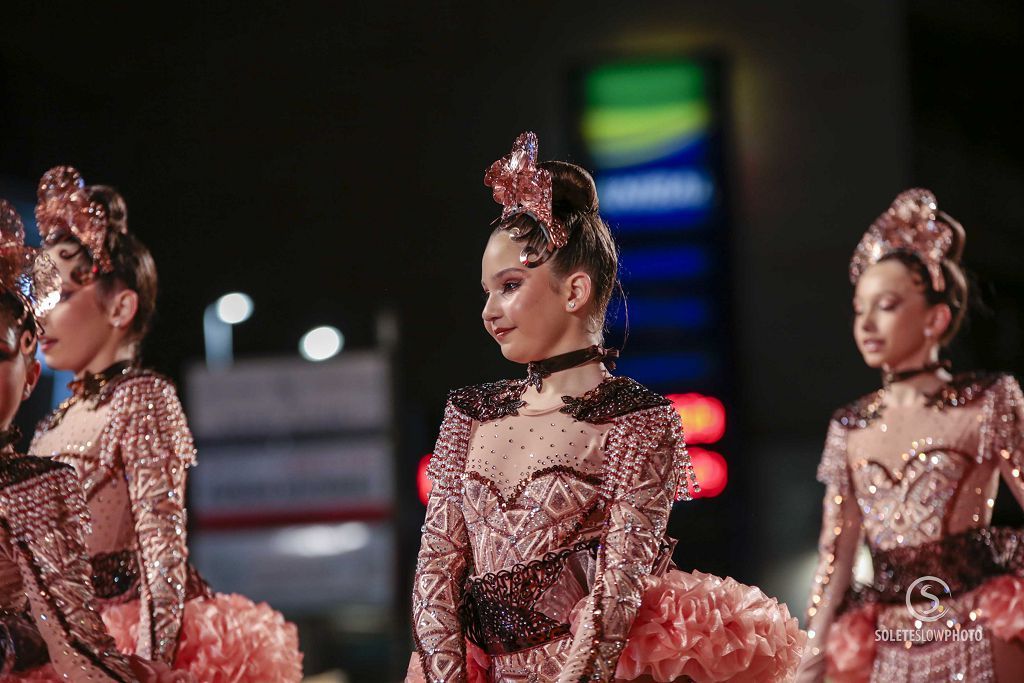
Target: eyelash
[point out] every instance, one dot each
(507, 288)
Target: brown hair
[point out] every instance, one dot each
(590, 248)
(13, 313)
(957, 291)
(133, 264)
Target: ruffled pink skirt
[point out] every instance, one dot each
(226, 638)
(850, 652)
(693, 626)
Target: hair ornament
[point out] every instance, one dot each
(914, 225)
(523, 188)
(25, 272)
(65, 210)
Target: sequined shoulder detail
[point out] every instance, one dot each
(104, 394)
(860, 413)
(17, 469)
(490, 401)
(964, 389)
(612, 398)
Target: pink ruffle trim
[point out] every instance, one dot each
(851, 642)
(478, 666)
(850, 652)
(710, 629)
(224, 639)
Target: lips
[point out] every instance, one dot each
(46, 343)
(872, 345)
(501, 332)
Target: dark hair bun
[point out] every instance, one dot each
(117, 210)
(956, 249)
(572, 189)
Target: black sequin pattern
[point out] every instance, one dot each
(964, 561)
(497, 608)
(612, 398)
(963, 389)
(490, 401)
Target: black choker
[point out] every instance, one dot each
(92, 384)
(536, 371)
(903, 375)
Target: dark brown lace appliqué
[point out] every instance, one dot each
(960, 391)
(615, 397)
(490, 401)
(497, 608)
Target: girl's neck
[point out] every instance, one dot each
(105, 359)
(910, 389)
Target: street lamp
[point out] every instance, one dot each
(218, 319)
(321, 343)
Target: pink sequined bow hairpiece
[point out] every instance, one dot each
(64, 209)
(912, 225)
(520, 187)
(25, 272)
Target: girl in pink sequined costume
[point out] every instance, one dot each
(913, 469)
(124, 432)
(49, 628)
(544, 556)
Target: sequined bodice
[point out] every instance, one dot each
(532, 486)
(541, 516)
(130, 446)
(75, 440)
(918, 483)
(918, 476)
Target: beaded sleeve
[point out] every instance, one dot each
(149, 437)
(837, 548)
(443, 562)
(43, 517)
(642, 453)
(1003, 432)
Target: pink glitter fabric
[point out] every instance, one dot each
(918, 485)
(544, 531)
(520, 187)
(25, 272)
(912, 224)
(65, 210)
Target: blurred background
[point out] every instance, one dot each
(323, 163)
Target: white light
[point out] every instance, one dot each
(234, 308)
(322, 540)
(321, 343)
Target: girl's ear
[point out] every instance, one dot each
(122, 307)
(33, 368)
(580, 289)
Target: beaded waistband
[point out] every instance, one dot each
(964, 561)
(498, 608)
(115, 578)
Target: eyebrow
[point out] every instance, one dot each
(502, 273)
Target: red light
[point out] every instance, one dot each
(703, 417)
(422, 481)
(711, 471)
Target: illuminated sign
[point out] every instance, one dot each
(423, 484)
(711, 471)
(703, 417)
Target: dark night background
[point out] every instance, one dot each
(327, 159)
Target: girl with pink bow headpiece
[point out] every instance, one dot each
(544, 555)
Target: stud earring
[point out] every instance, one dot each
(572, 304)
(928, 333)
